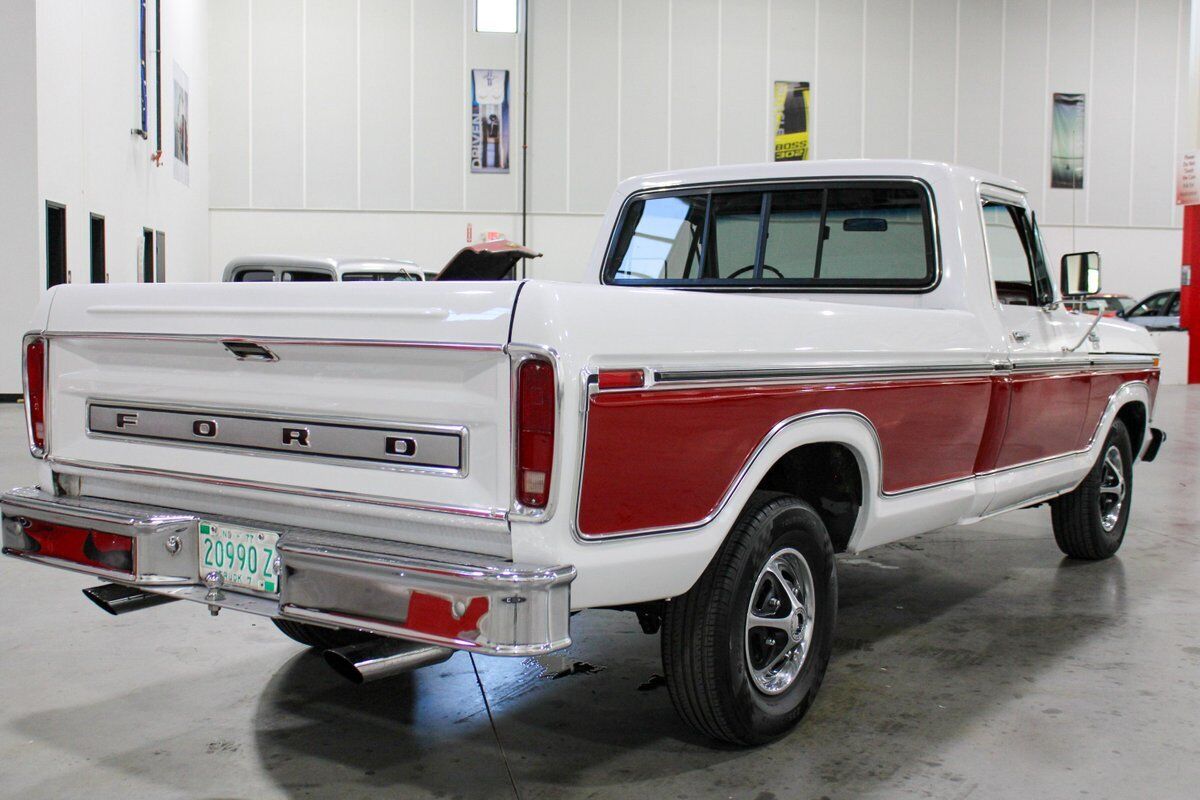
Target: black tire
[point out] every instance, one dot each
(321, 638)
(707, 646)
(1085, 526)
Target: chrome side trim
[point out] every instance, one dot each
(276, 340)
(674, 378)
(319, 494)
(220, 413)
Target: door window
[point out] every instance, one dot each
(1155, 305)
(1017, 272)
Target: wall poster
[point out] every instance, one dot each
(181, 126)
(1067, 142)
(489, 120)
(791, 120)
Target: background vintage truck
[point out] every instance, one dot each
(769, 365)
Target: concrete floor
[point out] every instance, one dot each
(970, 662)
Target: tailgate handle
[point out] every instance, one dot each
(249, 351)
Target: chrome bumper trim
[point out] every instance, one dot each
(466, 601)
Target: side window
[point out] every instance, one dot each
(1173, 311)
(1008, 254)
(661, 238)
(1153, 306)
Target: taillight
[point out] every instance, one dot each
(35, 393)
(535, 432)
(76, 545)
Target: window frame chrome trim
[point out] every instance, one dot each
(777, 184)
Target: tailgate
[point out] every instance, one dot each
(279, 402)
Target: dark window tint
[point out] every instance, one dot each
(254, 276)
(304, 276)
(1155, 305)
(864, 235)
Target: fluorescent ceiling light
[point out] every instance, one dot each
(496, 16)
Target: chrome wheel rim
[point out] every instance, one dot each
(1112, 488)
(780, 621)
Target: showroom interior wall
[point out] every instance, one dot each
(18, 184)
(343, 125)
(88, 159)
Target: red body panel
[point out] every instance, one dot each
(667, 457)
(664, 458)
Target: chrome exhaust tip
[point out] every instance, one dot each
(116, 598)
(382, 658)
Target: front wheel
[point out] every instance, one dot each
(1089, 523)
(746, 648)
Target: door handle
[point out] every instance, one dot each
(1020, 336)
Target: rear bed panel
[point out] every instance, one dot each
(340, 383)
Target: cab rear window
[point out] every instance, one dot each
(860, 235)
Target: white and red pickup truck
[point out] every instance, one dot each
(766, 365)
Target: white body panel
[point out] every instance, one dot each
(455, 370)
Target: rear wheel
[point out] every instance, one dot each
(1089, 523)
(746, 648)
(322, 638)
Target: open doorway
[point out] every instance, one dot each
(56, 244)
(99, 266)
(147, 272)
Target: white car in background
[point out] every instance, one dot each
(1158, 312)
(307, 269)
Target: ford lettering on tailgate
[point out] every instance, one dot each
(432, 448)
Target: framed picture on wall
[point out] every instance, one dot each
(182, 152)
(489, 120)
(1067, 142)
(790, 120)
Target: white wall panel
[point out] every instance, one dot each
(1023, 153)
(386, 115)
(440, 87)
(276, 121)
(1153, 163)
(331, 104)
(693, 41)
(838, 93)
(980, 84)
(934, 67)
(792, 42)
(886, 80)
(644, 83)
(549, 136)
(229, 130)
(593, 104)
(1111, 114)
(746, 97)
(1185, 131)
(1070, 59)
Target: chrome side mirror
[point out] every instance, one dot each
(1080, 274)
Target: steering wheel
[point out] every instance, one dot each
(737, 272)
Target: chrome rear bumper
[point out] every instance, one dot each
(461, 600)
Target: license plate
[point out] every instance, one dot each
(244, 557)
